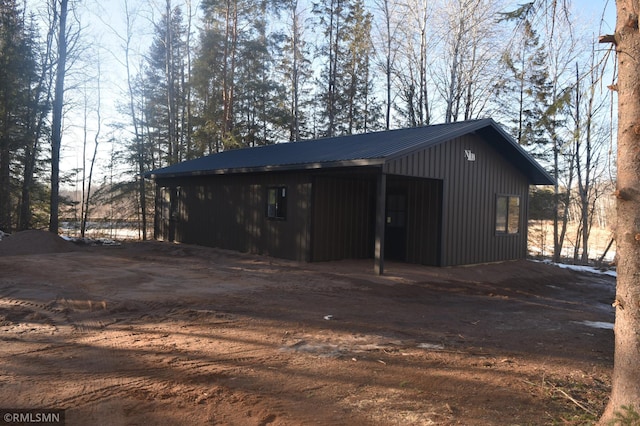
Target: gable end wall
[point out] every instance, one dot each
(469, 198)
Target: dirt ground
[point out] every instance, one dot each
(163, 334)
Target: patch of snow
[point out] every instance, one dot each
(432, 346)
(114, 230)
(597, 324)
(591, 269)
(91, 241)
(580, 268)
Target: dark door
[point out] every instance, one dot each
(395, 234)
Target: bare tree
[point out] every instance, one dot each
(388, 30)
(296, 69)
(86, 195)
(412, 66)
(589, 144)
(67, 39)
(468, 33)
(562, 52)
(138, 127)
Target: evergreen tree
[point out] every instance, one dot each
(526, 86)
(260, 111)
(294, 65)
(331, 16)
(240, 101)
(362, 111)
(17, 76)
(33, 199)
(166, 84)
(347, 105)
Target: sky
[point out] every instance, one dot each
(104, 29)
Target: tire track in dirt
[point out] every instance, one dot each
(186, 379)
(164, 367)
(123, 388)
(44, 313)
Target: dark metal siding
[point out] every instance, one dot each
(423, 220)
(468, 196)
(230, 212)
(451, 207)
(343, 218)
(162, 215)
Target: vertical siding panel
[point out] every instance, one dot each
(455, 207)
(342, 226)
(485, 208)
(418, 220)
(411, 226)
(228, 212)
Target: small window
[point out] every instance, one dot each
(507, 214)
(277, 203)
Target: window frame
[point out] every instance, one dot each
(276, 207)
(506, 206)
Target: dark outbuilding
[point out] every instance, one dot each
(442, 195)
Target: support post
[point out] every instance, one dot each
(381, 198)
(173, 213)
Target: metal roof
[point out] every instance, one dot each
(369, 149)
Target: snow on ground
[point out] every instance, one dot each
(111, 230)
(598, 324)
(91, 241)
(580, 268)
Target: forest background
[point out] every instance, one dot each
(149, 84)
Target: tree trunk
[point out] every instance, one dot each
(425, 112)
(56, 125)
(295, 73)
(42, 96)
(334, 39)
(626, 374)
(5, 190)
(137, 127)
(24, 218)
(388, 53)
(85, 209)
(229, 66)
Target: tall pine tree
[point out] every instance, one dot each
(524, 91)
(167, 92)
(345, 99)
(241, 102)
(17, 74)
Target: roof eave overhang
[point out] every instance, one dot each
(375, 162)
(536, 174)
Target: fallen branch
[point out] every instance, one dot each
(575, 401)
(605, 252)
(566, 395)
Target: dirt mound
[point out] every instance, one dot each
(33, 242)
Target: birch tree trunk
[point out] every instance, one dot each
(137, 127)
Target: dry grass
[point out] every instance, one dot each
(541, 241)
